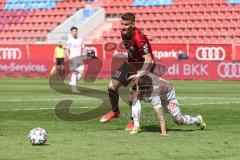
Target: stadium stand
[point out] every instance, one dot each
(29, 21)
(202, 21)
(188, 21)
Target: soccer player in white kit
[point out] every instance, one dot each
(160, 94)
(74, 49)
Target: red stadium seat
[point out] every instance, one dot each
(186, 19)
(23, 22)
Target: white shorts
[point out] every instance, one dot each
(76, 64)
(168, 102)
(171, 105)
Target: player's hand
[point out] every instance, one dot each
(135, 76)
(132, 77)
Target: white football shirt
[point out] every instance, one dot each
(75, 45)
(161, 88)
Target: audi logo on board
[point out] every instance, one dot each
(210, 53)
(229, 70)
(10, 53)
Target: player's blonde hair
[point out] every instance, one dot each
(144, 83)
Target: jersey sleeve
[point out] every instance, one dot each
(142, 44)
(55, 52)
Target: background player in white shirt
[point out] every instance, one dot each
(74, 49)
(159, 93)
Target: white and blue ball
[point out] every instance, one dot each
(38, 136)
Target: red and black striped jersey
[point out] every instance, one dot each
(137, 46)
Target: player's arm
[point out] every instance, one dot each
(84, 52)
(67, 49)
(83, 47)
(67, 53)
(144, 49)
(148, 63)
(157, 105)
(55, 55)
(161, 119)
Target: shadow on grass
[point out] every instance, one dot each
(41, 145)
(150, 128)
(156, 128)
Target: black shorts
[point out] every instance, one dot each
(60, 61)
(124, 72)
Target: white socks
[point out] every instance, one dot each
(136, 111)
(73, 79)
(188, 120)
(79, 76)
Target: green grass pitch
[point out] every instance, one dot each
(30, 103)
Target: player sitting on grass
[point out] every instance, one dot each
(159, 93)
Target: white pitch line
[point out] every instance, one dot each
(210, 103)
(39, 100)
(88, 98)
(37, 109)
(209, 98)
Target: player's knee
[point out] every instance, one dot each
(111, 86)
(114, 84)
(179, 122)
(112, 90)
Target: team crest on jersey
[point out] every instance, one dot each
(145, 48)
(132, 48)
(130, 55)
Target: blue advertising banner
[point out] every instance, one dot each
(153, 2)
(233, 1)
(30, 4)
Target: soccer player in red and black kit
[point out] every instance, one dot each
(140, 60)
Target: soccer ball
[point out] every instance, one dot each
(38, 136)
